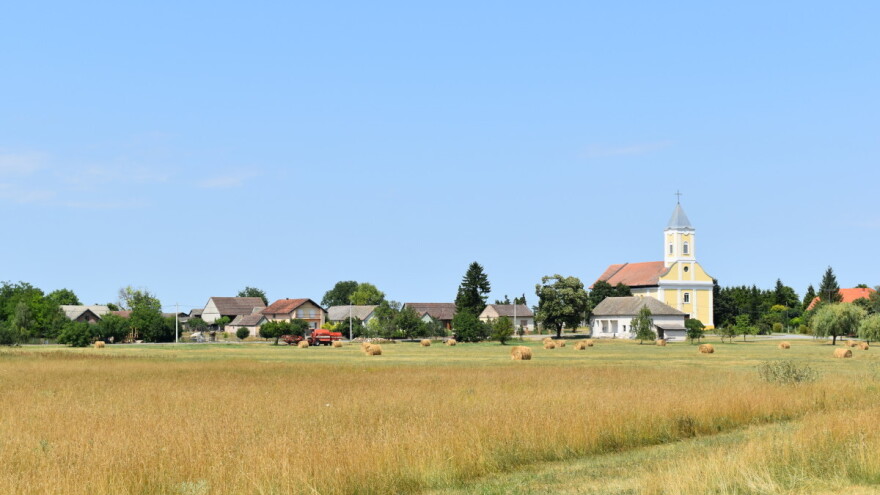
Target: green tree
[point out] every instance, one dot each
(829, 291)
(502, 329)
(836, 320)
(602, 289)
(386, 319)
(340, 294)
(76, 334)
(196, 324)
(434, 328)
(366, 294)
(356, 330)
(506, 300)
(869, 328)
(64, 296)
(253, 292)
(695, 329)
(643, 325)
(744, 327)
(274, 329)
(409, 323)
(8, 336)
(469, 328)
(808, 297)
(112, 328)
(473, 291)
(520, 300)
(784, 295)
(224, 320)
(562, 301)
(146, 321)
(243, 332)
(43, 318)
(298, 327)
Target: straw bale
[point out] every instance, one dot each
(588, 342)
(661, 342)
(337, 343)
(520, 353)
(707, 348)
(863, 346)
(451, 342)
(425, 343)
(546, 339)
(99, 344)
(852, 343)
(549, 345)
(303, 344)
(560, 343)
(579, 346)
(784, 345)
(842, 353)
(373, 350)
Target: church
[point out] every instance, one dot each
(678, 281)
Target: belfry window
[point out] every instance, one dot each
(684, 248)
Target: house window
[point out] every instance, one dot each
(300, 313)
(311, 313)
(687, 297)
(685, 248)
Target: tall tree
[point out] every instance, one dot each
(869, 328)
(473, 291)
(64, 296)
(146, 321)
(808, 297)
(562, 301)
(340, 294)
(409, 323)
(836, 320)
(520, 300)
(602, 289)
(643, 325)
(366, 294)
(253, 292)
(506, 300)
(829, 291)
(784, 295)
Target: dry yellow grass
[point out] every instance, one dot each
(842, 353)
(520, 353)
(425, 343)
(144, 430)
(784, 345)
(707, 348)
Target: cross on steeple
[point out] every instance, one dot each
(678, 199)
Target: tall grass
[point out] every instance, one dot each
(76, 425)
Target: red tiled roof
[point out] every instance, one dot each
(286, 306)
(123, 314)
(849, 295)
(634, 274)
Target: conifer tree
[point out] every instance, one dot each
(829, 291)
(809, 296)
(473, 291)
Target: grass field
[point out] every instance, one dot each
(615, 418)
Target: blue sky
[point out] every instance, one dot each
(195, 148)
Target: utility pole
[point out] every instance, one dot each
(176, 315)
(349, 319)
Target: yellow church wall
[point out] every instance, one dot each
(700, 275)
(696, 273)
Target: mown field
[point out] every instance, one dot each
(258, 419)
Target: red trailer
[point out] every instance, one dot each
(318, 337)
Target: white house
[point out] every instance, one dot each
(612, 318)
(364, 313)
(231, 307)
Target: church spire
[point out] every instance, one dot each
(679, 220)
(678, 238)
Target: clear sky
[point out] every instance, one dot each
(194, 148)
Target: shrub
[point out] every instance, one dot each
(242, 333)
(777, 327)
(8, 335)
(76, 334)
(786, 372)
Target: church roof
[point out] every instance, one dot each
(679, 221)
(635, 274)
(630, 306)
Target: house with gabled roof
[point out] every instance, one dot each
(218, 307)
(442, 312)
(252, 322)
(364, 313)
(300, 309)
(847, 296)
(520, 315)
(612, 318)
(84, 313)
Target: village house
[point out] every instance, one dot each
(442, 312)
(337, 314)
(300, 309)
(230, 307)
(612, 318)
(520, 315)
(847, 296)
(252, 322)
(83, 313)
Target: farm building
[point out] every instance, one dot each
(612, 318)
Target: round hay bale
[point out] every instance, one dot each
(546, 339)
(520, 353)
(99, 344)
(661, 342)
(579, 346)
(560, 343)
(707, 348)
(863, 346)
(303, 344)
(549, 345)
(851, 343)
(842, 353)
(451, 342)
(374, 350)
(588, 342)
(425, 343)
(784, 345)
(337, 343)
